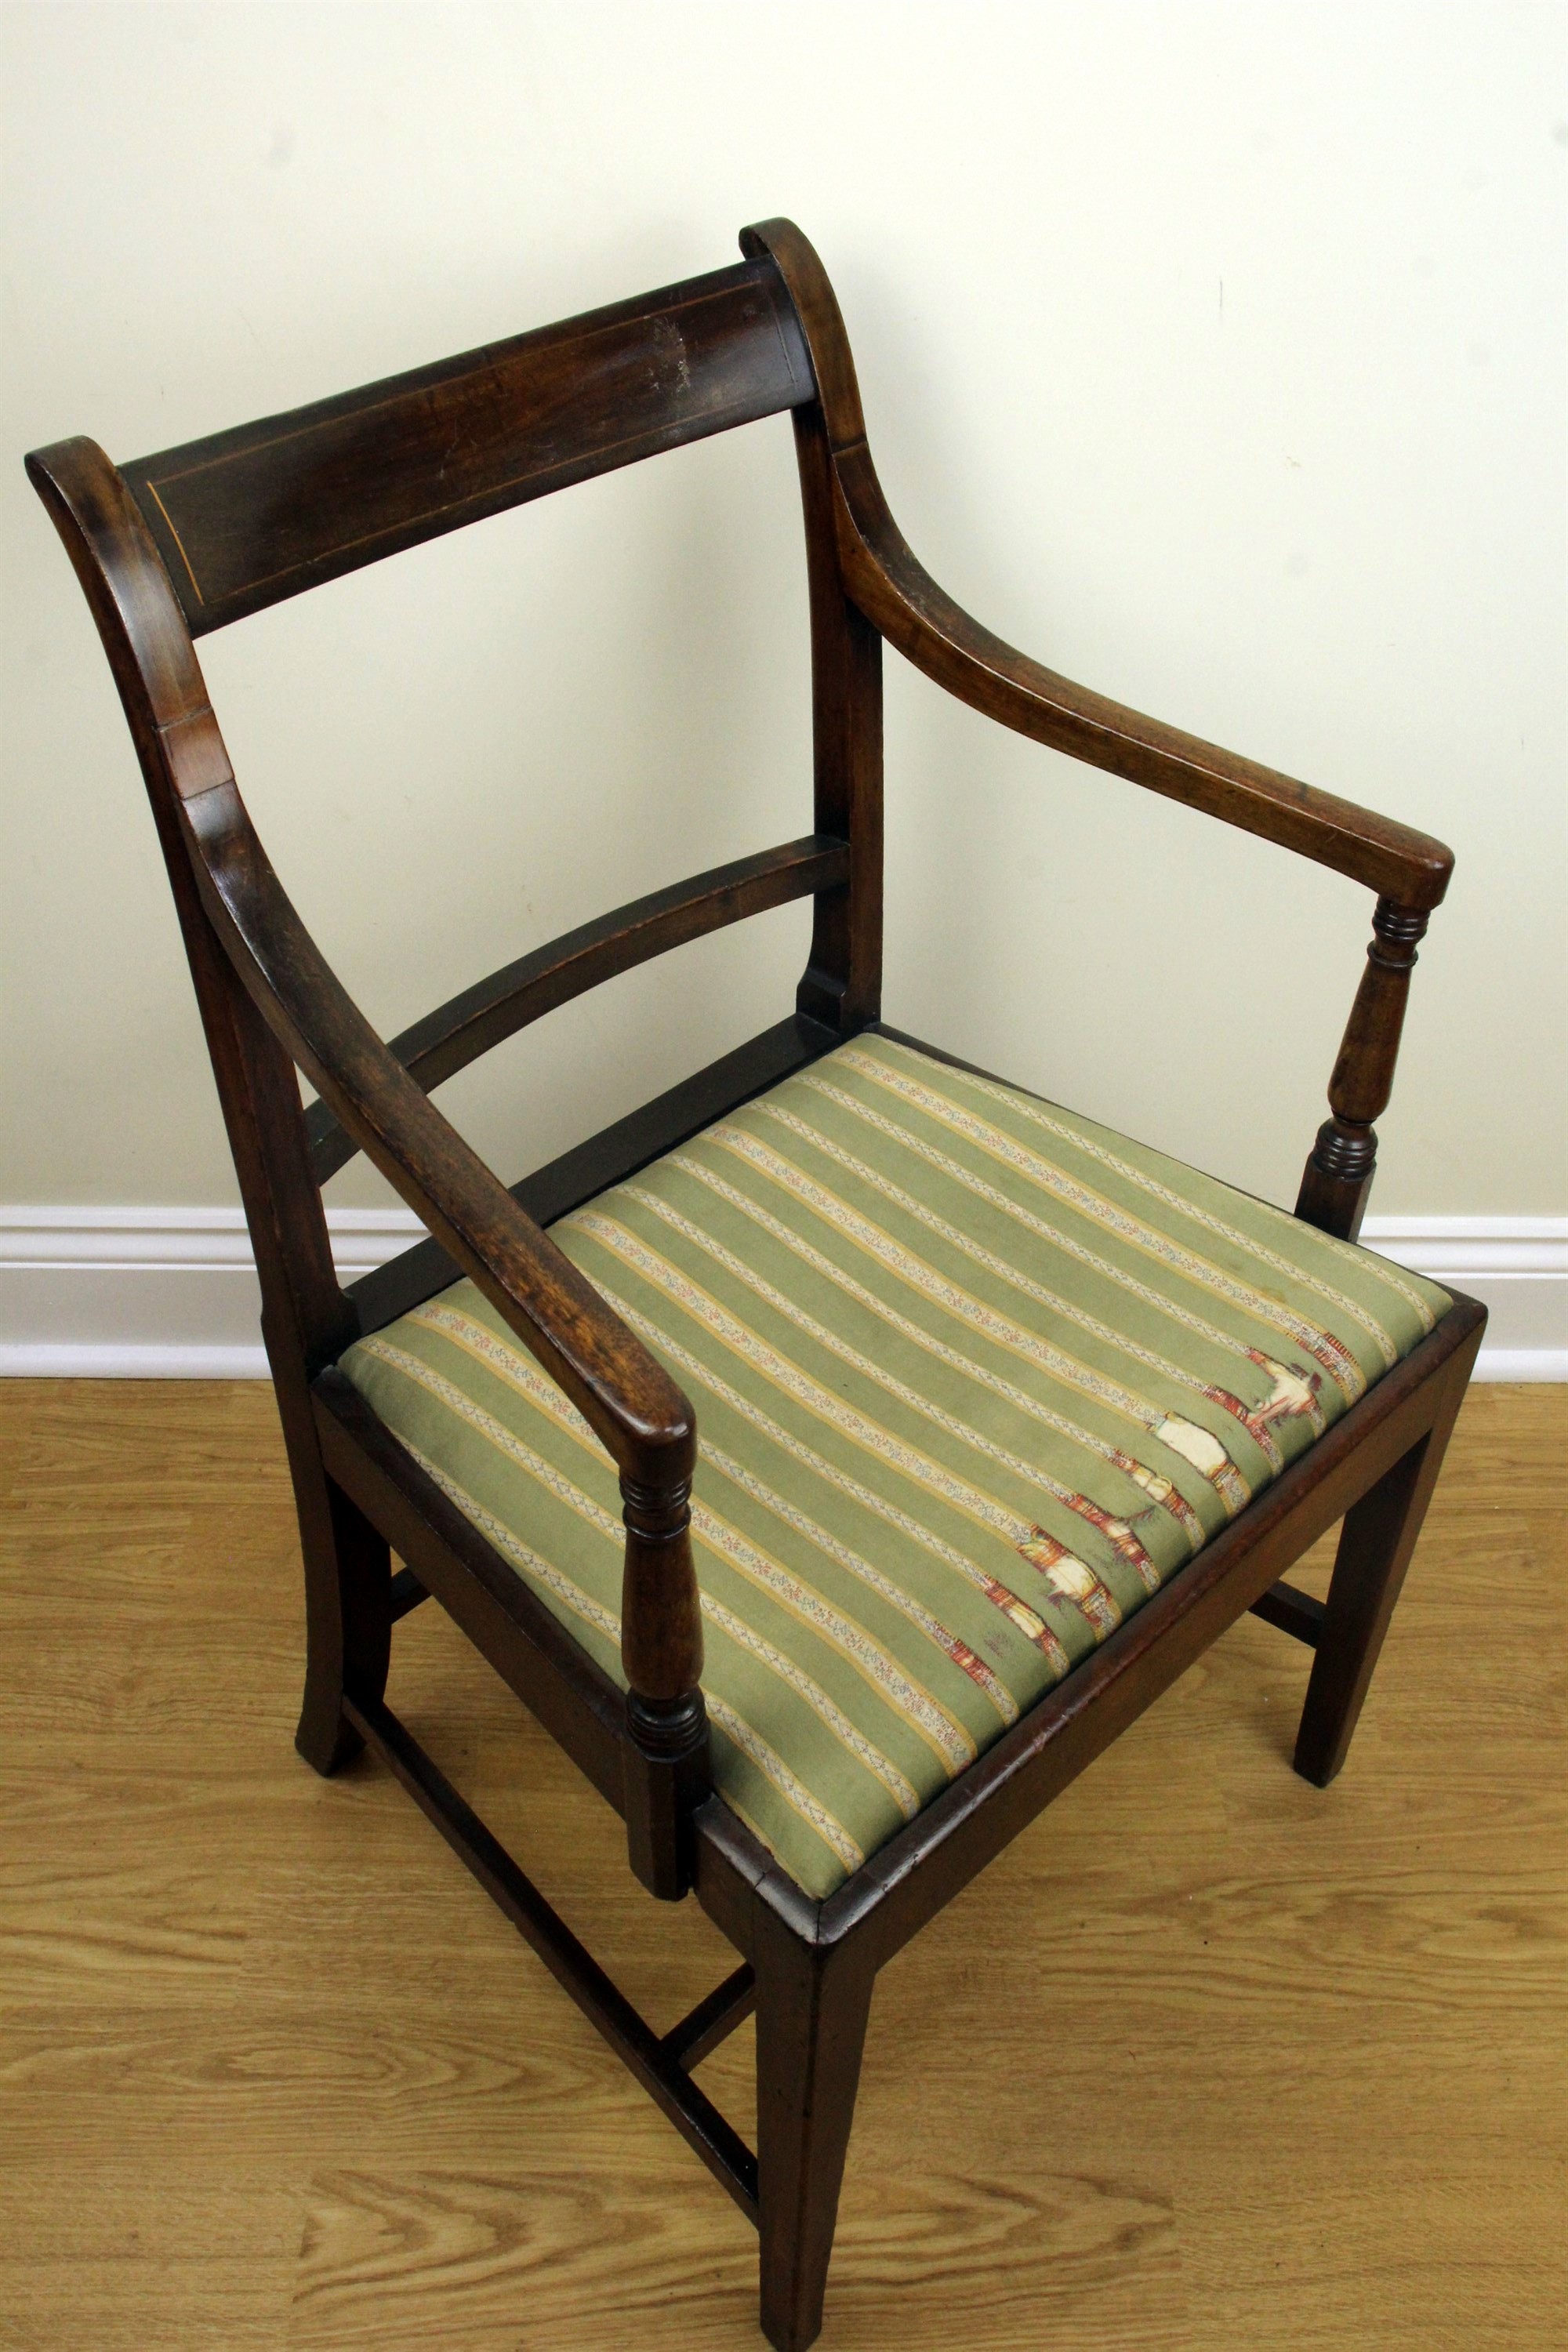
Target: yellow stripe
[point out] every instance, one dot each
(924, 1277)
(1227, 1481)
(904, 1602)
(510, 1364)
(745, 1735)
(1058, 1237)
(860, 1649)
(822, 1403)
(1189, 1208)
(882, 1767)
(1177, 1505)
(1013, 1276)
(1031, 1472)
(1330, 1350)
(571, 1596)
(914, 1704)
(817, 1464)
(793, 1791)
(903, 1792)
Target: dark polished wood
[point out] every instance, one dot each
(882, 577)
(1339, 1171)
(557, 1681)
(446, 1040)
(714, 2018)
(1298, 1613)
(657, 2068)
(1375, 1547)
(197, 537)
(608, 1158)
(246, 518)
(408, 1593)
(813, 2004)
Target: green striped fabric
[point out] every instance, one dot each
(973, 1377)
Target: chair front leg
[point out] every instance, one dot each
(1376, 1541)
(667, 1765)
(812, 2008)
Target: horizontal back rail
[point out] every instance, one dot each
(250, 516)
(457, 1032)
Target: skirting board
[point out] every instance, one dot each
(171, 1294)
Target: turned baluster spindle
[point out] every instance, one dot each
(1338, 1175)
(667, 1770)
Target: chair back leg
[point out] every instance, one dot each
(348, 1601)
(812, 2008)
(1376, 1541)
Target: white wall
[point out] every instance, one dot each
(1214, 354)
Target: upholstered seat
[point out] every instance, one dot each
(973, 1377)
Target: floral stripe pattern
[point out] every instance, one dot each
(972, 1378)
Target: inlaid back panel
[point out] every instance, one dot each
(258, 513)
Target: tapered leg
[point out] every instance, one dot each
(1376, 1545)
(348, 1620)
(812, 2010)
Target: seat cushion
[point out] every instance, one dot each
(973, 1377)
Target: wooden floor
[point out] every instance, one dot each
(1209, 2059)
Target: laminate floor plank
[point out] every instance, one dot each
(1207, 2060)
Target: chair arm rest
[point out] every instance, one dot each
(884, 580)
(630, 1401)
(896, 593)
(641, 1416)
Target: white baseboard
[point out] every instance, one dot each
(171, 1294)
(152, 1293)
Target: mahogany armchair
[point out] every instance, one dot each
(1004, 1419)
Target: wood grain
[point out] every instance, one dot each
(1210, 2058)
(246, 517)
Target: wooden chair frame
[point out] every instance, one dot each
(176, 544)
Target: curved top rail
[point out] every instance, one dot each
(246, 518)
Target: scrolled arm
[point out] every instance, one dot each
(899, 596)
(628, 1399)
(641, 1416)
(886, 581)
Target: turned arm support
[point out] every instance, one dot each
(1409, 870)
(1339, 1169)
(639, 1415)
